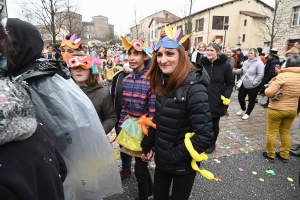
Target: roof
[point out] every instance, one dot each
(158, 12)
(68, 11)
(253, 14)
(100, 16)
(222, 4)
(161, 20)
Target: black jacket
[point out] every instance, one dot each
(116, 92)
(221, 83)
(31, 169)
(103, 105)
(270, 69)
(176, 114)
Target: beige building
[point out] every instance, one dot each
(70, 21)
(47, 37)
(289, 10)
(243, 18)
(142, 30)
(98, 29)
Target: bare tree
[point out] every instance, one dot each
(273, 28)
(70, 19)
(186, 13)
(44, 13)
(135, 29)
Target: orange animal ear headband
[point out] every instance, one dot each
(73, 42)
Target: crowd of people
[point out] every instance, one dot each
(58, 106)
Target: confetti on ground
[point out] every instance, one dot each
(290, 179)
(241, 169)
(271, 172)
(242, 149)
(217, 161)
(261, 179)
(218, 179)
(246, 138)
(246, 152)
(254, 173)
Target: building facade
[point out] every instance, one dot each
(98, 29)
(290, 11)
(142, 30)
(70, 22)
(243, 18)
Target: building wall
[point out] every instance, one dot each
(100, 27)
(71, 22)
(144, 32)
(285, 11)
(235, 22)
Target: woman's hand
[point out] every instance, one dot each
(147, 158)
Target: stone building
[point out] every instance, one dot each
(98, 28)
(235, 22)
(70, 21)
(290, 11)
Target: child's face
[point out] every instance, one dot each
(201, 48)
(80, 75)
(136, 59)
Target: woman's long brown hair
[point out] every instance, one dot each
(175, 79)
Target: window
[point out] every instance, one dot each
(219, 21)
(199, 25)
(244, 37)
(296, 16)
(198, 40)
(178, 27)
(245, 22)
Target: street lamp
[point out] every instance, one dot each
(225, 28)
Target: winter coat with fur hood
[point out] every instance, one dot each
(221, 83)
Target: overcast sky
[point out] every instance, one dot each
(121, 12)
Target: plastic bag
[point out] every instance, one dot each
(131, 135)
(77, 133)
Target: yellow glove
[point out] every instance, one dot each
(225, 100)
(197, 157)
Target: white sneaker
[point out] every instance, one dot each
(241, 112)
(245, 116)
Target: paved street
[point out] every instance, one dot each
(239, 164)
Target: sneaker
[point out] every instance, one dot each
(271, 160)
(281, 158)
(125, 173)
(240, 112)
(245, 116)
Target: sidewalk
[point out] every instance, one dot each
(238, 162)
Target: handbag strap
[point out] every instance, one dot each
(246, 72)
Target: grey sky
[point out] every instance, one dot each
(121, 13)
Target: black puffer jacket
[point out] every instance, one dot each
(270, 69)
(177, 113)
(221, 83)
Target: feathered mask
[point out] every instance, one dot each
(73, 42)
(172, 40)
(85, 62)
(138, 45)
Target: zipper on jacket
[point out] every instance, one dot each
(211, 69)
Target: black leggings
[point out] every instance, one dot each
(215, 122)
(143, 178)
(182, 185)
(252, 94)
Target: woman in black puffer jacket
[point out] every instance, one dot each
(221, 83)
(181, 107)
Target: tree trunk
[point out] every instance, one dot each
(273, 23)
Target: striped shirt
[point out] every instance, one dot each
(138, 98)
